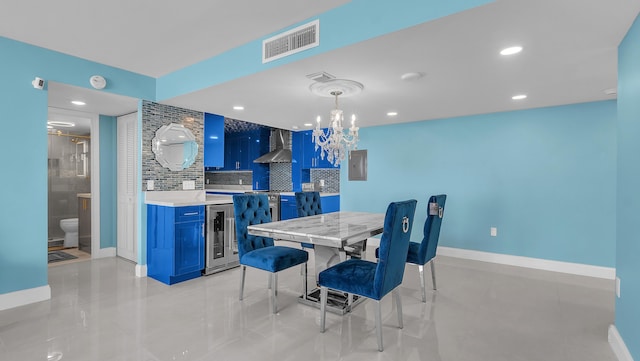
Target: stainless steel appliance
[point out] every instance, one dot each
(221, 244)
(274, 205)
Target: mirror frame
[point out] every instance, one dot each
(160, 146)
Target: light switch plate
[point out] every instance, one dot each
(494, 231)
(150, 185)
(188, 185)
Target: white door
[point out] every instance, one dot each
(127, 192)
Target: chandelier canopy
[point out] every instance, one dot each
(335, 143)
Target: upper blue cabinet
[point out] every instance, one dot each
(310, 156)
(213, 140)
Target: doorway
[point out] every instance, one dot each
(69, 185)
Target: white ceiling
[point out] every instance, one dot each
(570, 55)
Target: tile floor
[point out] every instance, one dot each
(100, 311)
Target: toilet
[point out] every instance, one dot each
(70, 228)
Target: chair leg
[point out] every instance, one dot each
(274, 292)
(304, 281)
(244, 271)
(379, 324)
(269, 283)
(433, 273)
(422, 283)
(396, 296)
(363, 254)
(323, 307)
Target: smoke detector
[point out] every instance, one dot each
(98, 82)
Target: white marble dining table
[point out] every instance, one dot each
(330, 233)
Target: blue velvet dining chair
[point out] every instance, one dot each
(421, 253)
(308, 204)
(260, 252)
(425, 251)
(370, 279)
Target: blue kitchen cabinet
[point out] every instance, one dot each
(288, 208)
(213, 140)
(236, 151)
(175, 243)
(330, 203)
(241, 148)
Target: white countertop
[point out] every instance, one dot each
(185, 198)
(322, 194)
(198, 197)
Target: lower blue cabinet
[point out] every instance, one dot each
(175, 243)
(288, 208)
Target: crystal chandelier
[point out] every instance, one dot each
(336, 142)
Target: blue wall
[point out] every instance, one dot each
(108, 181)
(23, 111)
(628, 246)
(545, 177)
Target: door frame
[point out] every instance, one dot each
(96, 251)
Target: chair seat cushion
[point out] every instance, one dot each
(351, 276)
(274, 258)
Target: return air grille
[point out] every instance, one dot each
(290, 42)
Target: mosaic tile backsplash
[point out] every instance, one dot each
(280, 177)
(154, 116)
(331, 179)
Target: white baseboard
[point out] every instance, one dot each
(104, 252)
(535, 263)
(617, 345)
(141, 270)
(24, 297)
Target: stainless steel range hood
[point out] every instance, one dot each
(282, 151)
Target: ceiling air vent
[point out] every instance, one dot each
(292, 41)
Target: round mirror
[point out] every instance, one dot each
(175, 147)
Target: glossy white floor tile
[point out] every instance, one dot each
(100, 311)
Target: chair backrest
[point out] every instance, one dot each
(432, 225)
(308, 203)
(250, 209)
(394, 246)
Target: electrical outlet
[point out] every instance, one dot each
(188, 185)
(494, 231)
(150, 185)
(240, 180)
(618, 287)
(321, 182)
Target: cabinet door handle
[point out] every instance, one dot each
(190, 214)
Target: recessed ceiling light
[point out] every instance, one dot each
(519, 97)
(61, 124)
(78, 102)
(392, 114)
(511, 50)
(308, 125)
(238, 107)
(411, 76)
